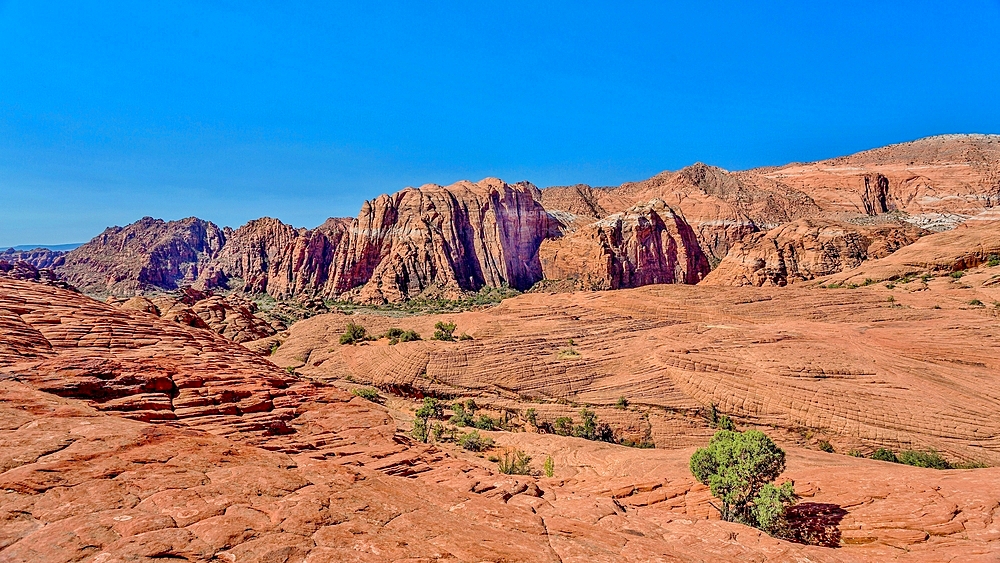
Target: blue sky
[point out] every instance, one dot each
(235, 110)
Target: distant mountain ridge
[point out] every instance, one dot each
(672, 228)
(55, 247)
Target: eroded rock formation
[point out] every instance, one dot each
(807, 249)
(442, 241)
(647, 244)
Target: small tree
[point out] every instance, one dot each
(531, 415)
(444, 331)
(739, 468)
(431, 409)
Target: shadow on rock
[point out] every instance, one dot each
(815, 523)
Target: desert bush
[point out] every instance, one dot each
(563, 426)
(976, 303)
(531, 415)
(485, 422)
(274, 348)
(353, 334)
(825, 446)
(409, 336)
(549, 467)
(993, 261)
(930, 459)
(855, 453)
(366, 393)
(739, 468)
(957, 275)
(462, 417)
(419, 431)
(444, 331)
(464, 336)
(514, 462)
(430, 409)
(883, 454)
(474, 441)
(393, 333)
(622, 403)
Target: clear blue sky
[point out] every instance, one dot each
(234, 110)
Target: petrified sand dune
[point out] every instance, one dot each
(854, 365)
(806, 249)
(967, 246)
(124, 436)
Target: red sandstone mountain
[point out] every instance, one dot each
(438, 240)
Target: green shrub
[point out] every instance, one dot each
(855, 453)
(464, 336)
(409, 336)
(444, 331)
(474, 442)
(531, 416)
(353, 334)
(549, 467)
(514, 462)
(726, 423)
(976, 303)
(393, 333)
(274, 348)
(825, 446)
(485, 422)
(419, 431)
(462, 417)
(290, 370)
(366, 393)
(993, 261)
(430, 409)
(883, 454)
(563, 426)
(622, 403)
(957, 275)
(739, 468)
(929, 459)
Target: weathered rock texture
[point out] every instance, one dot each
(914, 366)
(149, 253)
(26, 271)
(42, 258)
(243, 461)
(806, 249)
(647, 244)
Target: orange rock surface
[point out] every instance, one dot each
(126, 437)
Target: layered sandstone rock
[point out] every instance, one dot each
(26, 271)
(908, 365)
(969, 245)
(647, 244)
(42, 258)
(457, 238)
(807, 249)
(148, 254)
(258, 464)
(438, 240)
